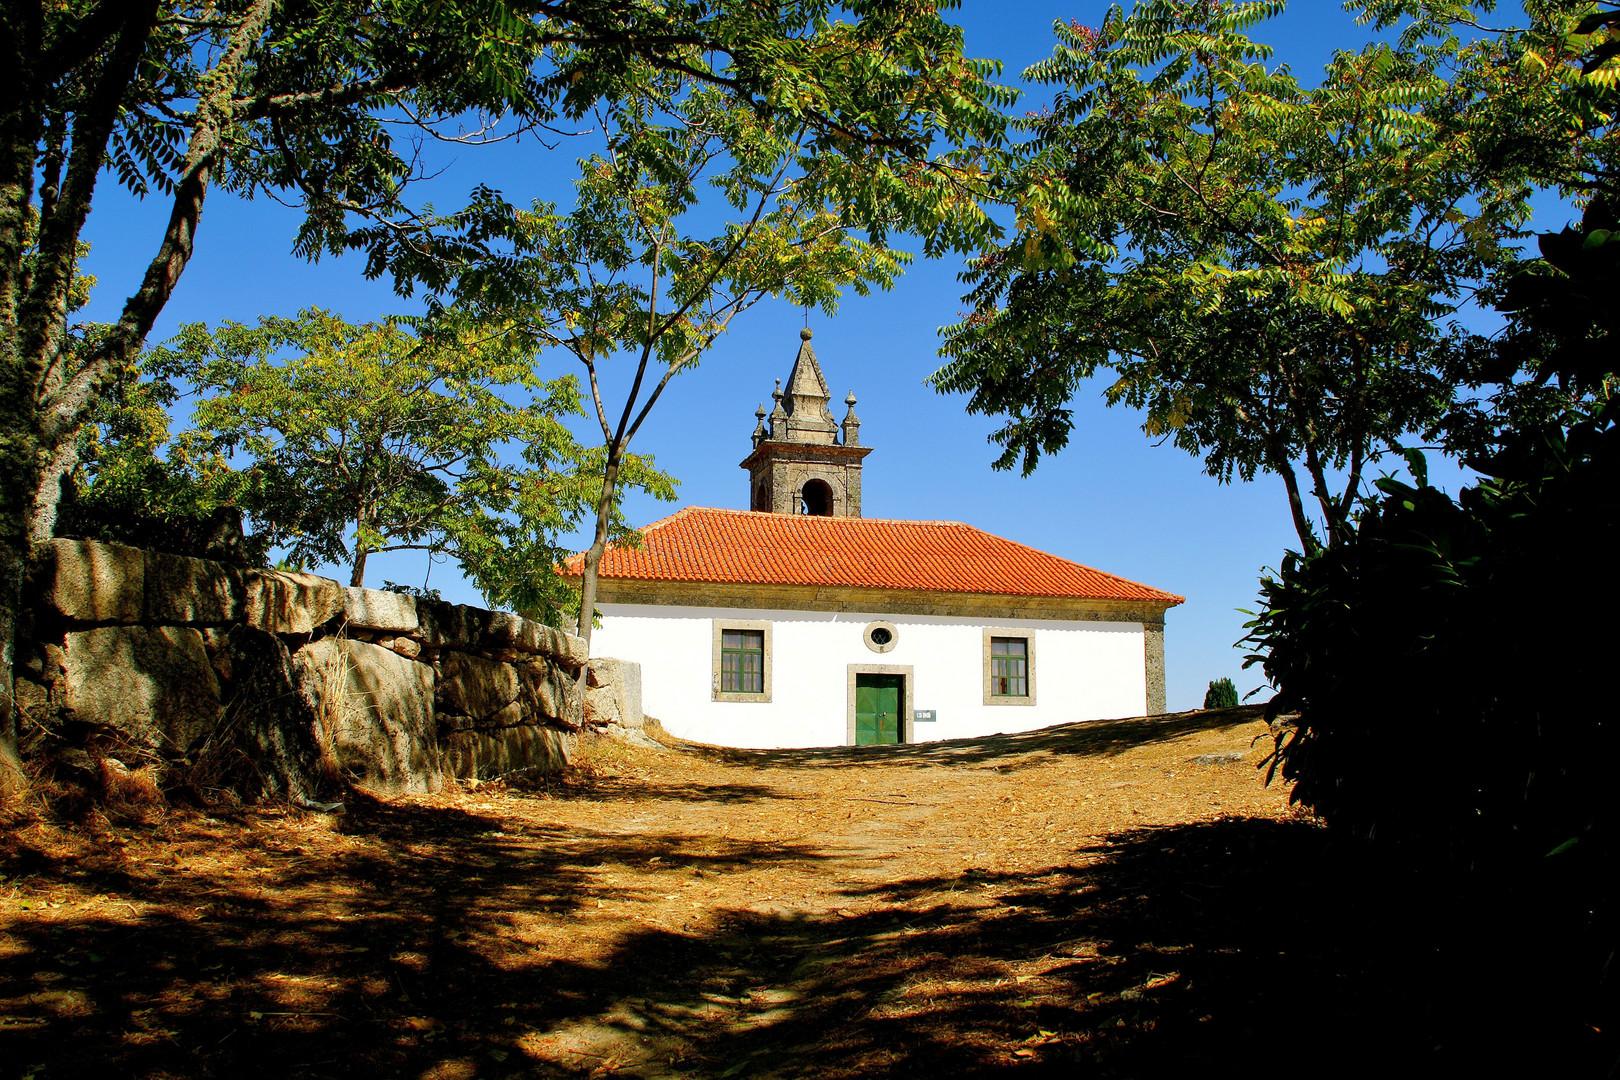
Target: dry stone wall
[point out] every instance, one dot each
(290, 684)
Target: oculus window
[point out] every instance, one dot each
(880, 637)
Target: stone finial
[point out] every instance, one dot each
(779, 416)
(760, 434)
(804, 335)
(852, 423)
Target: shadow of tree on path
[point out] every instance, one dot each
(1233, 944)
(1236, 944)
(643, 789)
(387, 959)
(1090, 738)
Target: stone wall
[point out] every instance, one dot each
(289, 684)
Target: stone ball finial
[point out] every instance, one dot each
(850, 401)
(804, 335)
(760, 412)
(777, 393)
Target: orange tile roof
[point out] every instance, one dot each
(748, 547)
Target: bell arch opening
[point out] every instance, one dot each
(816, 499)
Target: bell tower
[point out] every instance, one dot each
(799, 466)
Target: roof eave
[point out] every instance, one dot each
(791, 596)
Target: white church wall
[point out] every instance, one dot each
(1082, 671)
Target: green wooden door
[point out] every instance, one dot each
(877, 709)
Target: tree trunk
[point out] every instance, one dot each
(587, 577)
(13, 781)
(21, 129)
(593, 556)
(48, 490)
(357, 571)
(1296, 506)
(42, 404)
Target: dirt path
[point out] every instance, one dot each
(1107, 899)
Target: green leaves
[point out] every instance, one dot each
(135, 485)
(1267, 266)
(357, 439)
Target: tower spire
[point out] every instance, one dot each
(807, 397)
(798, 464)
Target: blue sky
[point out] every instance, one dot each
(1112, 500)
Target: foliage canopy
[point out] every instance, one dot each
(1270, 269)
(637, 280)
(365, 439)
(1475, 629)
(302, 102)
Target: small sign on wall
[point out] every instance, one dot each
(922, 716)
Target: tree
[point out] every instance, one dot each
(135, 485)
(1266, 269)
(1416, 622)
(364, 439)
(299, 101)
(1221, 694)
(624, 277)
(639, 270)
(1514, 732)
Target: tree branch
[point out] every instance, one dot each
(213, 115)
(669, 374)
(266, 106)
(42, 318)
(75, 47)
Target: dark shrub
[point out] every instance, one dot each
(1221, 694)
(1448, 661)
(1452, 666)
(163, 512)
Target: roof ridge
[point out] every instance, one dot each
(666, 519)
(748, 546)
(809, 517)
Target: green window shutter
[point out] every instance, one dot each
(742, 661)
(1009, 667)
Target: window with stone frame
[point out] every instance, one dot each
(1009, 667)
(742, 661)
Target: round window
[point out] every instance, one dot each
(880, 637)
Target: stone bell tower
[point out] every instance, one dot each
(798, 465)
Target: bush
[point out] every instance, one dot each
(1451, 663)
(161, 516)
(135, 485)
(1221, 694)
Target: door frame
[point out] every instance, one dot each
(906, 672)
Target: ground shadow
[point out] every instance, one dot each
(643, 789)
(1233, 944)
(1090, 738)
(386, 960)
(1236, 944)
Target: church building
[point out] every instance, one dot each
(798, 622)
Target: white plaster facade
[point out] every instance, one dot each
(801, 576)
(1081, 670)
